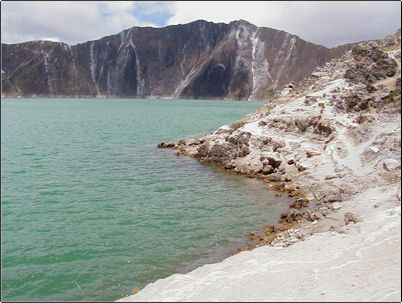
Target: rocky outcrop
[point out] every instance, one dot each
(321, 140)
(197, 60)
(333, 143)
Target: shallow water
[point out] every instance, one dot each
(92, 209)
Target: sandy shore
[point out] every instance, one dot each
(357, 262)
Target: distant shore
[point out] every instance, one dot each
(128, 98)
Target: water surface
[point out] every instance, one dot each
(92, 209)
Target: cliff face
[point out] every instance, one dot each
(197, 60)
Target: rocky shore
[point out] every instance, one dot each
(333, 142)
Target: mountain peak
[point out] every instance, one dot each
(242, 22)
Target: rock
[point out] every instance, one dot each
(241, 138)
(391, 164)
(355, 101)
(299, 203)
(252, 235)
(330, 177)
(272, 160)
(350, 217)
(312, 153)
(337, 205)
(223, 129)
(165, 145)
(267, 169)
(312, 216)
(332, 197)
(243, 151)
(276, 144)
(262, 123)
(310, 100)
(192, 142)
(322, 128)
(329, 139)
(317, 74)
(274, 177)
(300, 167)
(371, 64)
(229, 165)
(286, 178)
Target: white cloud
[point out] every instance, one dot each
(152, 7)
(68, 21)
(327, 23)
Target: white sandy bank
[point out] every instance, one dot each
(359, 262)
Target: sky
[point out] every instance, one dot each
(327, 23)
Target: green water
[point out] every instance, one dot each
(91, 208)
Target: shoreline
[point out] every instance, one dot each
(333, 143)
(289, 274)
(130, 98)
(301, 213)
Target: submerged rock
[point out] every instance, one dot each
(165, 145)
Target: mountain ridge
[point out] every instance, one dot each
(201, 59)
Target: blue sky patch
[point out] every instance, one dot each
(156, 13)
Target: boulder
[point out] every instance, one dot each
(371, 64)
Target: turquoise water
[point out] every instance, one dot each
(92, 209)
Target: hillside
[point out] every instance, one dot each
(237, 61)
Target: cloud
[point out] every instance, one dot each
(68, 21)
(327, 23)
(157, 13)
